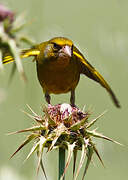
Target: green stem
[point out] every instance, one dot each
(61, 162)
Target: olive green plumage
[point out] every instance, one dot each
(59, 65)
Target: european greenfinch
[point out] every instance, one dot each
(59, 65)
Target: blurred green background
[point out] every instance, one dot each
(100, 29)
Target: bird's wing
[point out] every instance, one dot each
(87, 69)
(24, 53)
(30, 52)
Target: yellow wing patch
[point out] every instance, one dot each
(7, 59)
(30, 52)
(95, 73)
(82, 59)
(24, 53)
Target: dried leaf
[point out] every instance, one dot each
(42, 142)
(53, 143)
(32, 129)
(96, 134)
(56, 134)
(13, 70)
(77, 125)
(35, 118)
(36, 145)
(29, 115)
(89, 157)
(16, 54)
(31, 110)
(50, 120)
(42, 167)
(94, 120)
(68, 120)
(83, 155)
(29, 138)
(97, 153)
(74, 161)
(70, 153)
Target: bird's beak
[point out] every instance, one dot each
(67, 50)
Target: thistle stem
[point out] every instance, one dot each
(61, 162)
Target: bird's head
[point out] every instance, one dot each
(58, 49)
(61, 46)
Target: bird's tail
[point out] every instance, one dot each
(24, 53)
(103, 83)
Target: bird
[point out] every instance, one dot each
(59, 65)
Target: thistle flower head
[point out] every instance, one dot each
(10, 38)
(5, 13)
(67, 127)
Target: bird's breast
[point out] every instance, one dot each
(57, 77)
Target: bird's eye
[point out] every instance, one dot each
(56, 46)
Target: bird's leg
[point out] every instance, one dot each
(47, 97)
(72, 98)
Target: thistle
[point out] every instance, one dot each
(63, 127)
(10, 38)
